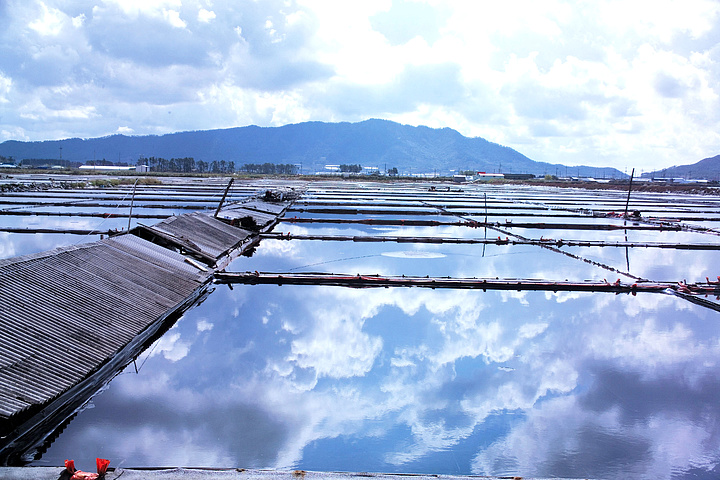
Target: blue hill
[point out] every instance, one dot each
(377, 143)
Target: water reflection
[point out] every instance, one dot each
(537, 384)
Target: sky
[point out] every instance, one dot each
(630, 83)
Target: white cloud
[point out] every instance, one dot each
(205, 16)
(50, 23)
(135, 8)
(204, 325)
(171, 347)
(5, 86)
(618, 83)
(173, 18)
(336, 347)
(78, 21)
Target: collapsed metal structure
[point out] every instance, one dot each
(74, 317)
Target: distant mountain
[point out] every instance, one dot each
(708, 169)
(371, 143)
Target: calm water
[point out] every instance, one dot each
(436, 381)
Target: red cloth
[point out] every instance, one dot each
(101, 464)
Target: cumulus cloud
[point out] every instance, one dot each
(205, 16)
(336, 347)
(5, 86)
(614, 83)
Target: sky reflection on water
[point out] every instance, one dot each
(537, 384)
(418, 380)
(326, 378)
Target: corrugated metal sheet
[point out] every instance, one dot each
(65, 312)
(200, 233)
(244, 217)
(267, 207)
(72, 317)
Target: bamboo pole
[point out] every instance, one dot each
(474, 224)
(491, 241)
(222, 200)
(521, 284)
(69, 231)
(27, 213)
(627, 203)
(198, 205)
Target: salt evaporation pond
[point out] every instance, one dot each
(536, 384)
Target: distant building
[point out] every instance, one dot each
(518, 176)
(106, 168)
(484, 177)
(142, 168)
(461, 178)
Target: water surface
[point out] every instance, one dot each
(535, 384)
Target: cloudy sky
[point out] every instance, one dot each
(619, 83)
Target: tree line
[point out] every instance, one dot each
(270, 168)
(351, 168)
(186, 165)
(189, 164)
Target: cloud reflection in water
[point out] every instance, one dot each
(441, 381)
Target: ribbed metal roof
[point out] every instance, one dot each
(70, 318)
(267, 207)
(247, 218)
(65, 312)
(200, 233)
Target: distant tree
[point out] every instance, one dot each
(393, 171)
(270, 168)
(231, 166)
(286, 169)
(98, 163)
(351, 168)
(185, 164)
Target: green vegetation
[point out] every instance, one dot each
(270, 169)
(351, 168)
(114, 182)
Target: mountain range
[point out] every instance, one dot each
(707, 168)
(313, 145)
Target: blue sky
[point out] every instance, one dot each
(602, 83)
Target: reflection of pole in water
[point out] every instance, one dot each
(627, 258)
(627, 252)
(485, 197)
